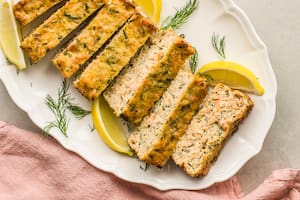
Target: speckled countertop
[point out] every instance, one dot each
(278, 24)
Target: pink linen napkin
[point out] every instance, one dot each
(36, 167)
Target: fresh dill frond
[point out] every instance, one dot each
(44, 133)
(181, 15)
(207, 76)
(59, 108)
(92, 127)
(67, 101)
(8, 62)
(130, 127)
(77, 111)
(182, 36)
(145, 167)
(218, 44)
(61, 120)
(194, 61)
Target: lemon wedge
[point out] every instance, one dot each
(151, 8)
(109, 126)
(10, 35)
(232, 74)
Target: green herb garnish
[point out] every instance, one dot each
(194, 61)
(145, 167)
(67, 102)
(181, 15)
(59, 107)
(92, 127)
(7, 61)
(77, 111)
(207, 76)
(218, 44)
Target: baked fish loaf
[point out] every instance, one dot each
(155, 139)
(27, 10)
(218, 118)
(108, 64)
(107, 21)
(134, 92)
(52, 31)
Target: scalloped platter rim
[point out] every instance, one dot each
(29, 88)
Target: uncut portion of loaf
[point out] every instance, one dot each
(219, 117)
(107, 21)
(60, 24)
(27, 10)
(117, 54)
(155, 139)
(143, 82)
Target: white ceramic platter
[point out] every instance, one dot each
(29, 88)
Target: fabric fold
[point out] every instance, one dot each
(33, 166)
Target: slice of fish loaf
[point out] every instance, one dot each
(117, 54)
(52, 31)
(143, 82)
(210, 128)
(27, 10)
(155, 139)
(108, 20)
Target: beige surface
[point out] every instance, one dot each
(278, 24)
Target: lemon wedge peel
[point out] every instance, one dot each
(232, 74)
(151, 8)
(10, 35)
(109, 127)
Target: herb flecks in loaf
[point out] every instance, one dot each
(60, 24)
(107, 21)
(141, 84)
(117, 54)
(155, 139)
(222, 112)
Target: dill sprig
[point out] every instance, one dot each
(218, 44)
(181, 15)
(145, 167)
(61, 120)
(59, 107)
(67, 101)
(207, 76)
(76, 110)
(194, 61)
(7, 61)
(92, 127)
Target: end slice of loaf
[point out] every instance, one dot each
(143, 82)
(220, 115)
(155, 139)
(28, 10)
(56, 28)
(107, 21)
(116, 55)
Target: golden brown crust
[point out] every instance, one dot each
(102, 70)
(27, 10)
(143, 82)
(52, 31)
(155, 139)
(222, 112)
